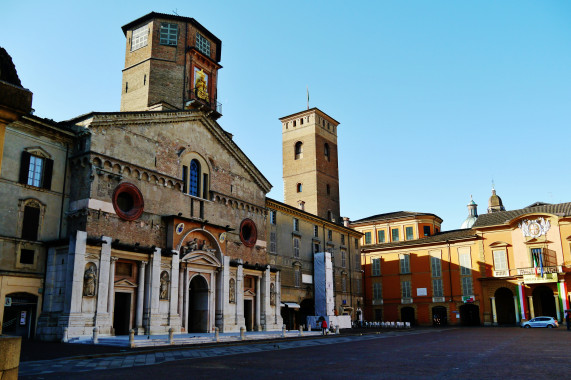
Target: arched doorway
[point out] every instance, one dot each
(439, 316)
(407, 315)
(198, 305)
(544, 302)
(470, 315)
(505, 308)
(20, 315)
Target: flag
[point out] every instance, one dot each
(534, 258)
(521, 297)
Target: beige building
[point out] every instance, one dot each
(33, 195)
(294, 237)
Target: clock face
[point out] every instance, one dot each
(179, 228)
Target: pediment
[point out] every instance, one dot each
(125, 283)
(201, 258)
(248, 293)
(536, 241)
(499, 244)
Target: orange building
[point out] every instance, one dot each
(510, 266)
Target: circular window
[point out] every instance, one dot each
(128, 201)
(248, 232)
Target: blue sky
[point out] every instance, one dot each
(435, 98)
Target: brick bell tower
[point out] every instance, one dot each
(310, 166)
(171, 62)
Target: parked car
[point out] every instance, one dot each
(548, 322)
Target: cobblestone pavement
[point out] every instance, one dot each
(110, 362)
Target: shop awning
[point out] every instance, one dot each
(291, 305)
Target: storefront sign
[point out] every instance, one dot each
(533, 279)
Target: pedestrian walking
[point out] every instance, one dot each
(323, 327)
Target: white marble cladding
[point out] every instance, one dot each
(74, 306)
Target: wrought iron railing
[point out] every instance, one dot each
(198, 94)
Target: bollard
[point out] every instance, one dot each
(337, 330)
(10, 357)
(216, 334)
(242, 333)
(283, 331)
(95, 335)
(300, 330)
(131, 338)
(171, 336)
(65, 338)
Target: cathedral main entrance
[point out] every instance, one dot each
(198, 305)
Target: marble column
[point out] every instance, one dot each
(494, 314)
(557, 308)
(278, 307)
(111, 286)
(155, 324)
(258, 299)
(265, 291)
(140, 298)
(531, 310)
(102, 312)
(240, 294)
(185, 300)
(174, 318)
(76, 256)
(180, 289)
(517, 314)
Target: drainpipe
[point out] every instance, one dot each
(450, 270)
(63, 191)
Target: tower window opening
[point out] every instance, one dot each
(299, 187)
(301, 121)
(298, 150)
(294, 123)
(326, 151)
(126, 87)
(328, 189)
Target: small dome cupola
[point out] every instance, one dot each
(495, 202)
(472, 214)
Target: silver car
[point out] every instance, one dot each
(548, 322)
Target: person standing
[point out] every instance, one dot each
(323, 327)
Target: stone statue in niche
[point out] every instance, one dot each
(90, 280)
(272, 294)
(232, 295)
(164, 290)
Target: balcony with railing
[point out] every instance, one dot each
(198, 98)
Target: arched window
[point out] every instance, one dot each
(298, 187)
(195, 175)
(328, 189)
(194, 178)
(298, 150)
(326, 151)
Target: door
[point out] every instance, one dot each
(122, 313)
(248, 314)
